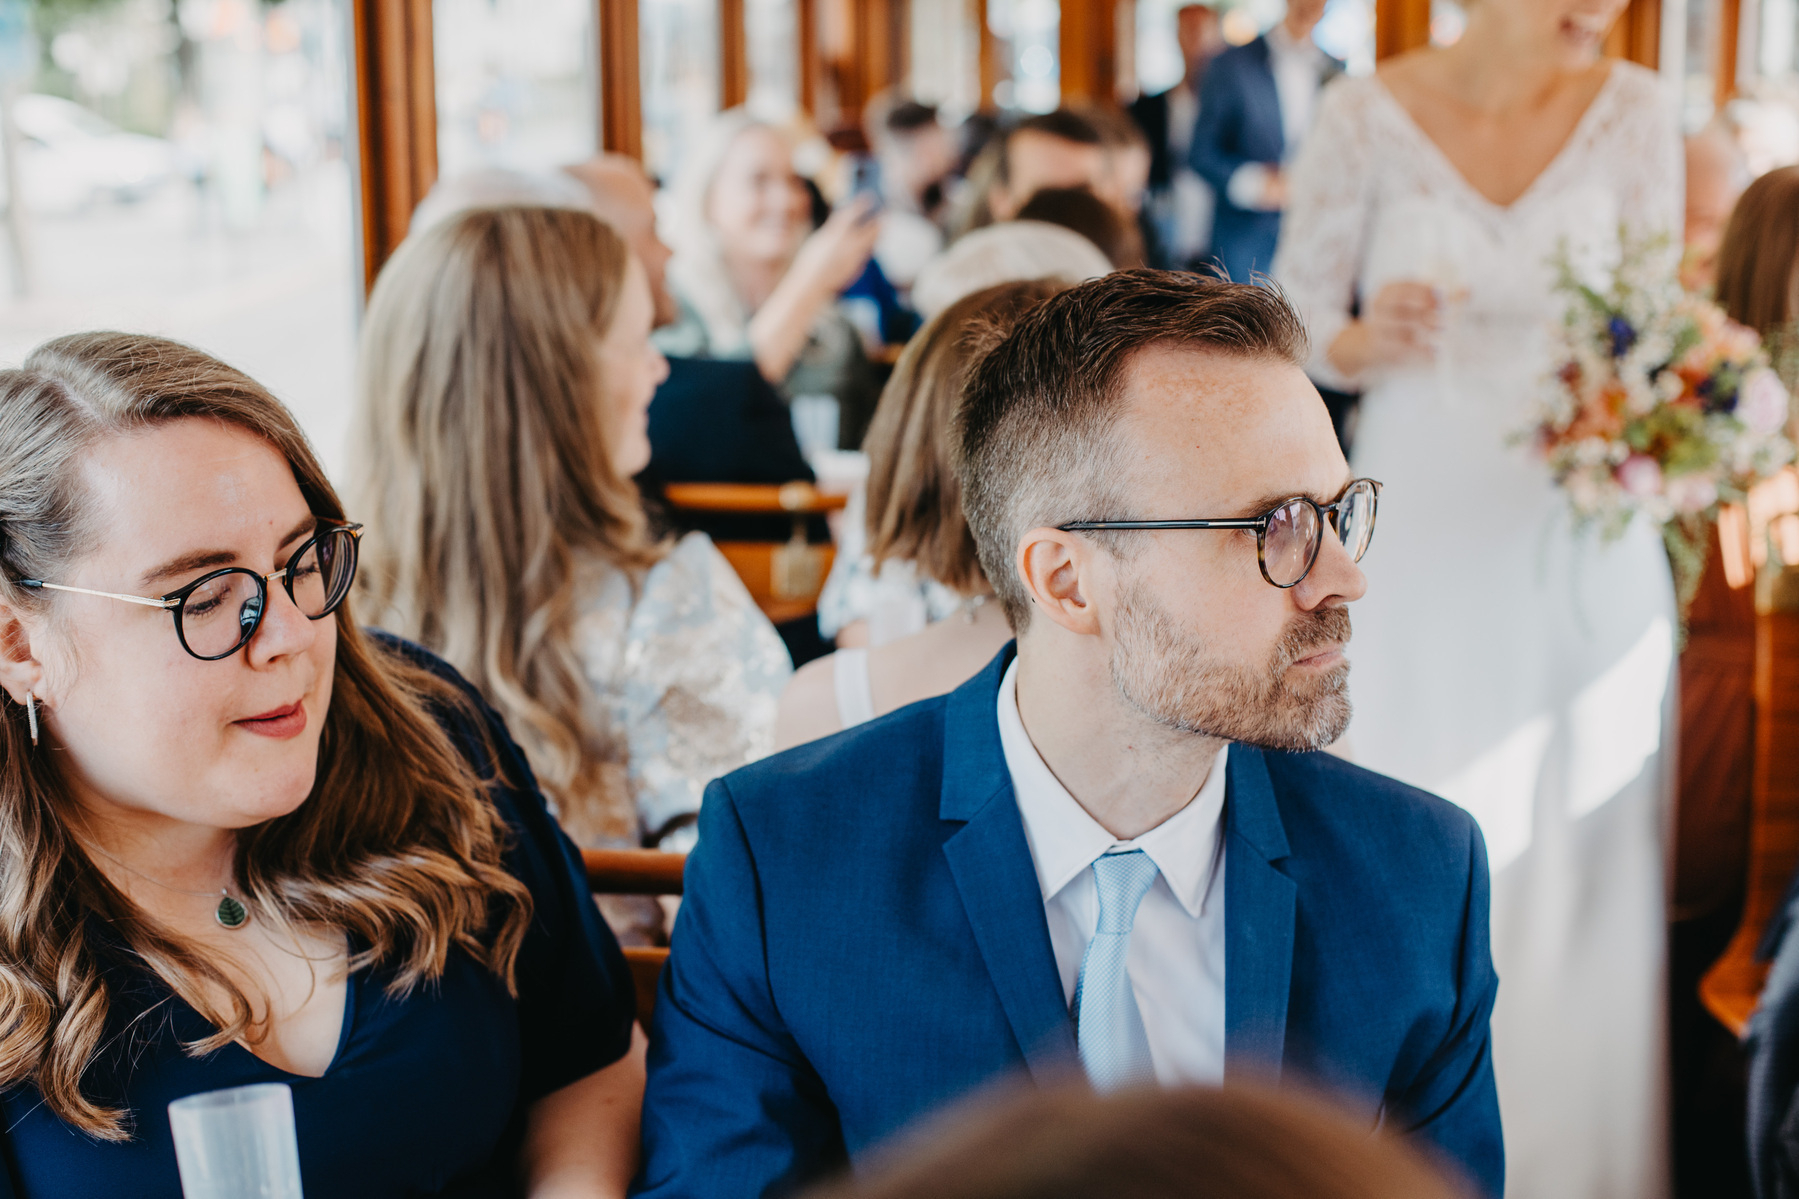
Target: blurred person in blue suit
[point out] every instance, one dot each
(1113, 851)
(1255, 106)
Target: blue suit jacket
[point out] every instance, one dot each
(863, 939)
(1239, 123)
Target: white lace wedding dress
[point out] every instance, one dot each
(1499, 660)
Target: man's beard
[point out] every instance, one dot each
(1170, 676)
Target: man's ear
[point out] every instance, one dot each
(1059, 571)
(19, 670)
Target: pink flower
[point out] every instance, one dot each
(1692, 493)
(1762, 404)
(1641, 476)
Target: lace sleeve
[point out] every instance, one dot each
(1329, 193)
(1650, 163)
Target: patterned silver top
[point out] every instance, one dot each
(689, 673)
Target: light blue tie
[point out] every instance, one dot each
(1108, 1025)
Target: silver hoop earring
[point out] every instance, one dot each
(31, 715)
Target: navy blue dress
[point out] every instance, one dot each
(426, 1096)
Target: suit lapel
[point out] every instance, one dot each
(1258, 916)
(991, 863)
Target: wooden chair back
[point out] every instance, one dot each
(637, 872)
(1732, 987)
(783, 577)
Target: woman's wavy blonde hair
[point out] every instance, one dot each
(397, 845)
(486, 468)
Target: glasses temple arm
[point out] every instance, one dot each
(36, 584)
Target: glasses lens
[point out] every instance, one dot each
(323, 572)
(220, 614)
(1355, 520)
(1291, 542)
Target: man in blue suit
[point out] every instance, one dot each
(1254, 108)
(1111, 851)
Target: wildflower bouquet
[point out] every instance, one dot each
(1659, 406)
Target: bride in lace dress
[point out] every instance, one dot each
(1500, 660)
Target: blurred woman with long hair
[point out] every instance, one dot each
(505, 378)
(244, 842)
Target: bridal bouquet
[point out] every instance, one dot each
(1659, 405)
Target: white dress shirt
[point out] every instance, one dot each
(1176, 958)
(1298, 68)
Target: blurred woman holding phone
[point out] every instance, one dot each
(756, 280)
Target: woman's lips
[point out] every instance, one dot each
(280, 723)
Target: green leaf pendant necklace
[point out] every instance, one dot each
(231, 912)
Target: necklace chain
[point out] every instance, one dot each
(230, 912)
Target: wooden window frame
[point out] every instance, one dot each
(396, 121)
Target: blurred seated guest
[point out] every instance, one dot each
(914, 156)
(1077, 208)
(1716, 176)
(879, 922)
(506, 372)
(247, 842)
(713, 420)
(1125, 182)
(1758, 286)
(1238, 1142)
(1051, 149)
(1180, 202)
(915, 532)
(756, 281)
(1006, 253)
(1255, 108)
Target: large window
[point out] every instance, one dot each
(1029, 30)
(771, 37)
(679, 68)
(516, 83)
(945, 55)
(180, 170)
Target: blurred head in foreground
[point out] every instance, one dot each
(1242, 1142)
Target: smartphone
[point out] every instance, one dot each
(865, 180)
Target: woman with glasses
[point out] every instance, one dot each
(243, 842)
(506, 375)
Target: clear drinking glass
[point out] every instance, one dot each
(238, 1143)
(816, 420)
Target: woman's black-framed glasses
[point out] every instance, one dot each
(1289, 535)
(218, 613)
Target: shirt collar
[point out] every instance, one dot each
(1064, 840)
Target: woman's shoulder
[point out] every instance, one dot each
(693, 564)
(694, 589)
(1352, 98)
(1638, 93)
(1634, 80)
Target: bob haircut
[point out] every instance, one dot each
(914, 497)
